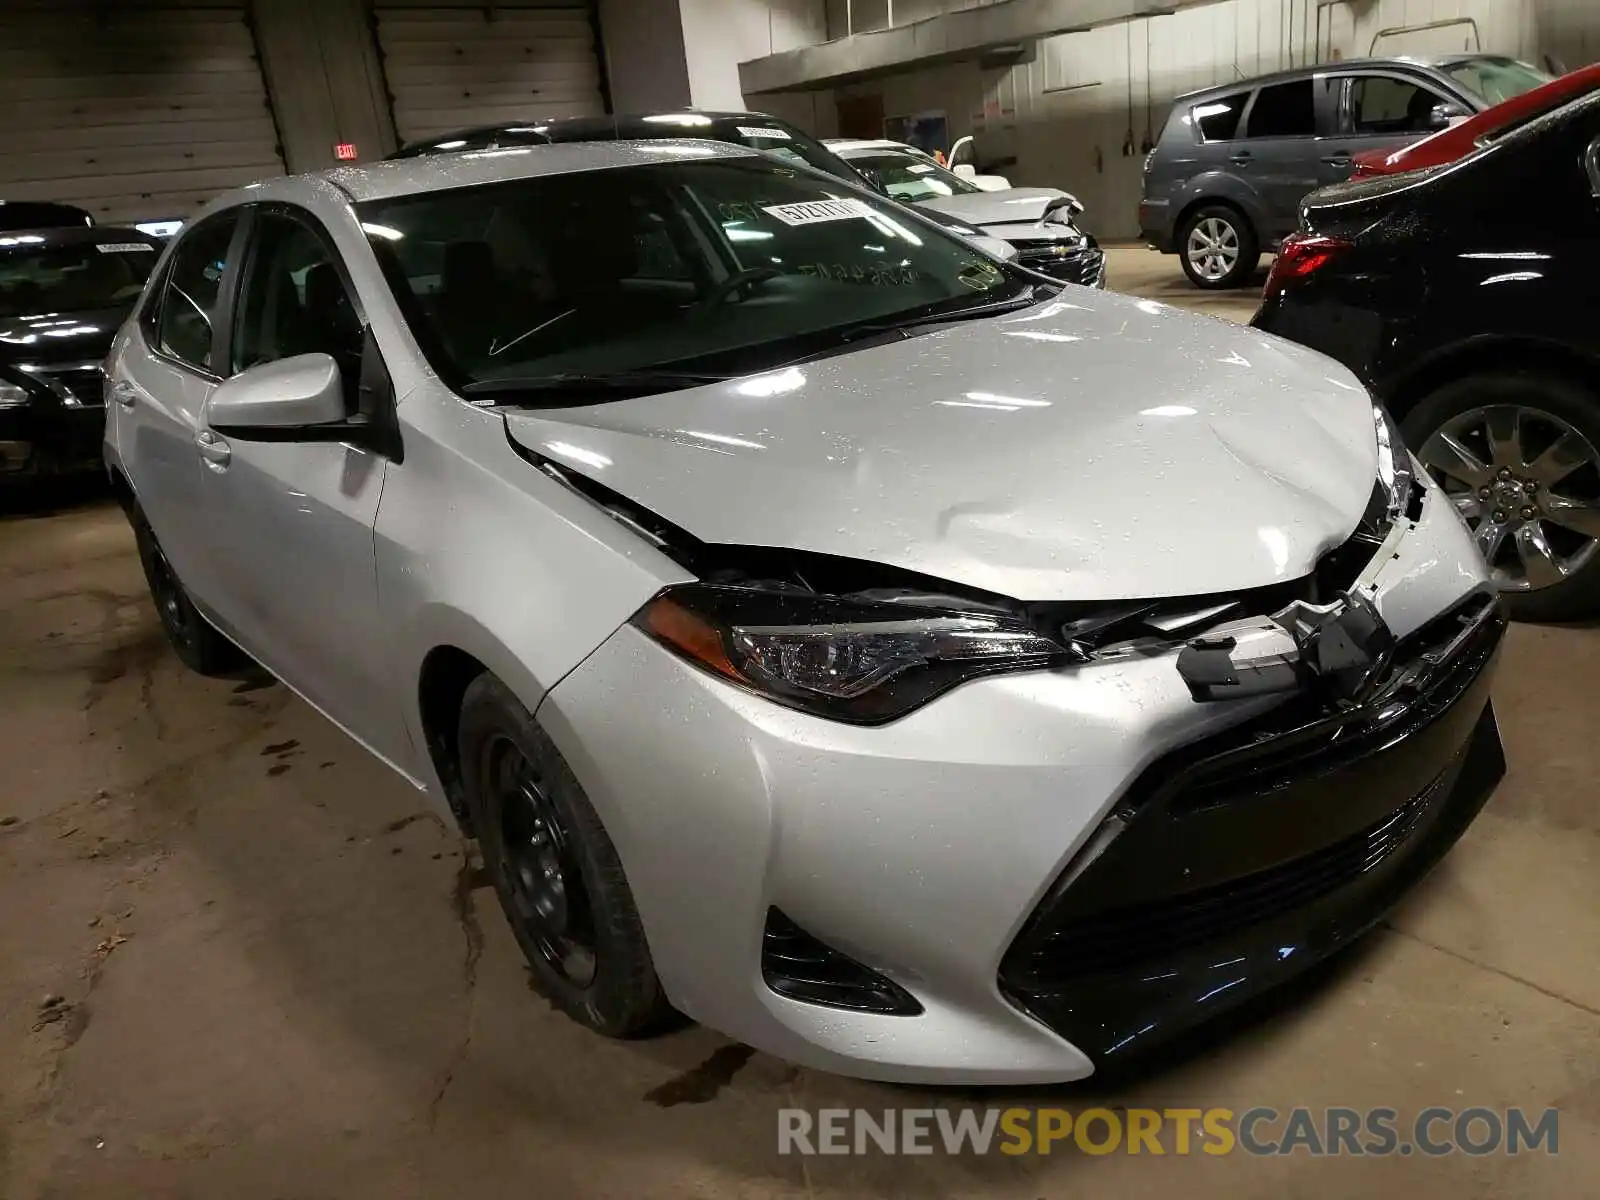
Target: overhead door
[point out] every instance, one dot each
(131, 110)
(451, 68)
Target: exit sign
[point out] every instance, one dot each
(345, 152)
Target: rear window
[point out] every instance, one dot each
(1218, 120)
(1284, 110)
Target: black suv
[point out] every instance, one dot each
(1226, 178)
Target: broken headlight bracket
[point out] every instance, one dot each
(1339, 650)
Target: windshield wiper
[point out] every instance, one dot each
(909, 325)
(614, 385)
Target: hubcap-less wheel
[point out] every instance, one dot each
(1528, 485)
(1213, 248)
(167, 593)
(547, 895)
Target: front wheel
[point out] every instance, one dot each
(554, 869)
(1219, 247)
(1519, 456)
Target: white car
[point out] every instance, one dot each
(1041, 223)
(903, 664)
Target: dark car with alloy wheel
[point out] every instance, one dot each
(1467, 298)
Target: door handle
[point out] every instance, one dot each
(1339, 158)
(213, 449)
(1240, 160)
(124, 393)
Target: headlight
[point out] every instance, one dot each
(1395, 473)
(13, 396)
(850, 660)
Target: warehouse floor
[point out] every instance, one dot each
(237, 960)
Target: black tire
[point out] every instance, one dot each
(1244, 234)
(198, 643)
(1541, 397)
(499, 742)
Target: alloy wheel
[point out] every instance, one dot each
(1528, 485)
(1213, 248)
(544, 886)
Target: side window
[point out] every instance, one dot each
(292, 301)
(1380, 105)
(1218, 120)
(184, 319)
(1284, 110)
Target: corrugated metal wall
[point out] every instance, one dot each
(1069, 115)
(131, 110)
(452, 66)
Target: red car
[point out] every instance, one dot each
(1462, 138)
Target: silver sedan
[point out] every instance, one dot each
(888, 657)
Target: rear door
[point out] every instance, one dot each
(1281, 148)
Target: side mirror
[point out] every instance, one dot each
(1442, 116)
(287, 400)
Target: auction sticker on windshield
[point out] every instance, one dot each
(814, 212)
(124, 248)
(751, 131)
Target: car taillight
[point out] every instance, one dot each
(1302, 255)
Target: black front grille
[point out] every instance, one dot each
(1084, 264)
(83, 384)
(1235, 862)
(798, 966)
(1124, 937)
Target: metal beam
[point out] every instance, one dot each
(967, 33)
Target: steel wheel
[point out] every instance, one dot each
(546, 894)
(1528, 484)
(1213, 248)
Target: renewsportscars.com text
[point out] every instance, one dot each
(1325, 1132)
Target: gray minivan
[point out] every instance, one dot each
(1226, 179)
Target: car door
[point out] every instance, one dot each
(1280, 149)
(158, 385)
(291, 521)
(1385, 110)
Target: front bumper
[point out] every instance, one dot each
(933, 849)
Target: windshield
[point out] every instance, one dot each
(731, 265)
(36, 278)
(1496, 79)
(910, 177)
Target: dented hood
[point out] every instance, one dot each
(1100, 447)
(1013, 206)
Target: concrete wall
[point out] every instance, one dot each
(644, 49)
(1077, 116)
(720, 34)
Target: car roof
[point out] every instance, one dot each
(843, 146)
(430, 173)
(1402, 61)
(66, 235)
(559, 129)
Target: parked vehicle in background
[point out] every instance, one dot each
(1233, 162)
(1467, 298)
(42, 214)
(758, 131)
(756, 574)
(63, 294)
(1476, 132)
(1041, 223)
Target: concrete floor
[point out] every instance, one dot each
(269, 975)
